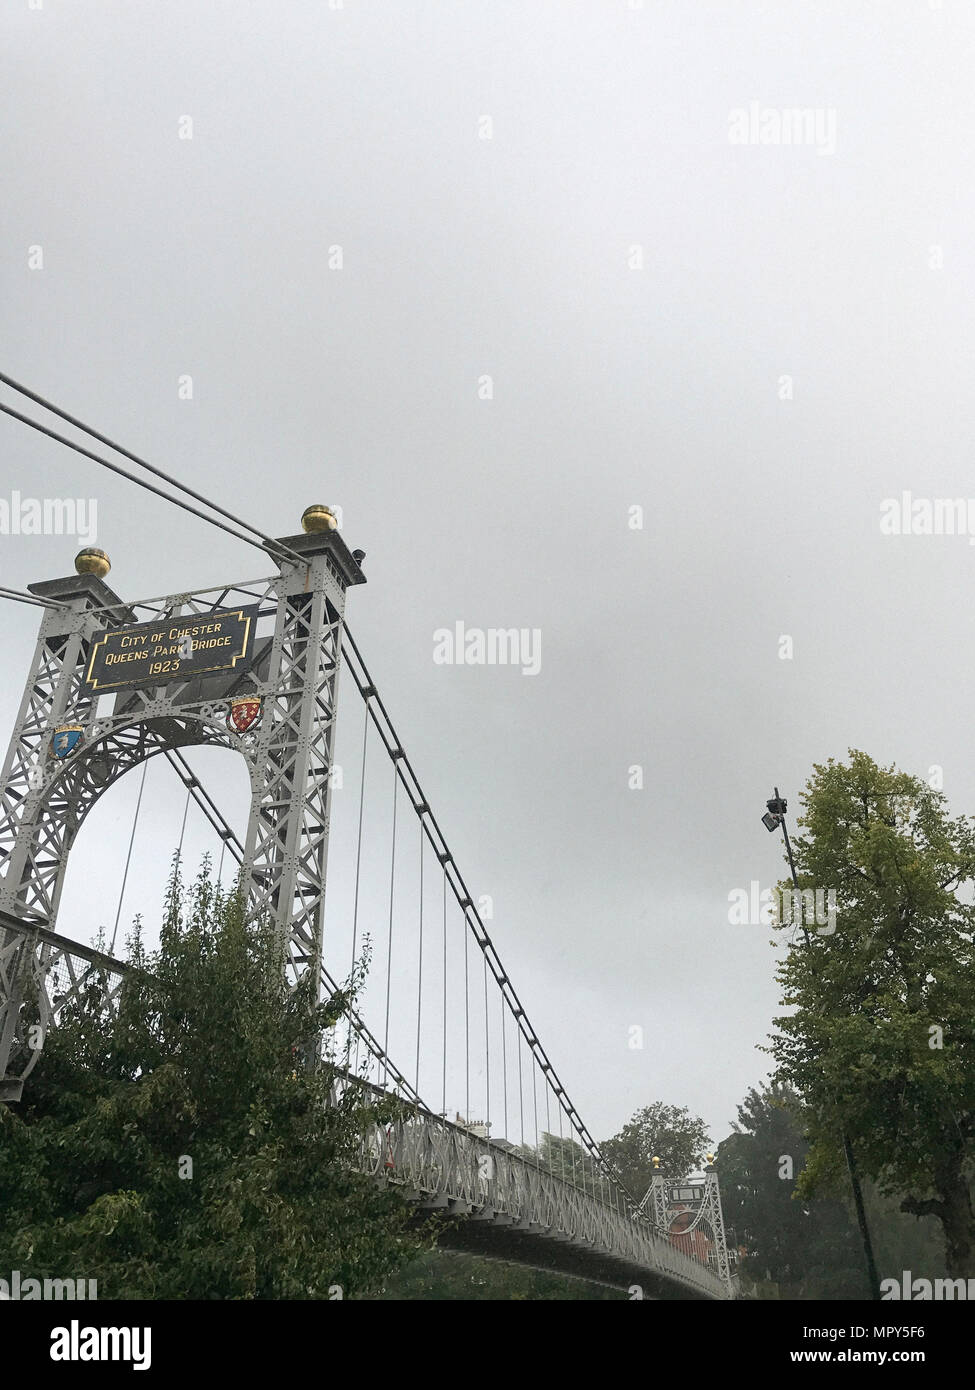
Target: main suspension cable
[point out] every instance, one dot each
(127, 453)
(18, 597)
(402, 766)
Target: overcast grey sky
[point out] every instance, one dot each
(638, 284)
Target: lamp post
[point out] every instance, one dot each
(772, 820)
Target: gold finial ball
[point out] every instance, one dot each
(318, 518)
(92, 561)
(655, 1161)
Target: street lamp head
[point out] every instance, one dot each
(770, 822)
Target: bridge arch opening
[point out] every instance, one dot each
(96, 863)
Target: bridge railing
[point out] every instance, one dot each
(40, 974)
(445, 1164)
(438, 1162)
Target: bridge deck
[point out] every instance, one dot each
(516, 1210)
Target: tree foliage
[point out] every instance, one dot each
(668, 1132)
(794, 1247)
(195, 1148)
(880, 1040)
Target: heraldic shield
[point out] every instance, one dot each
(243, 713)
(66, 739)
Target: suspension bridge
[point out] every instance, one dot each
(254, 667)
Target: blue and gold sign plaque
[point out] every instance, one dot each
(156, 653)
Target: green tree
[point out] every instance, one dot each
(880, 1040)
(186, 1151)
(794, 1247)
(567, 1159)
(668, 1132)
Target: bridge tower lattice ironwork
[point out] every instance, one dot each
(292, 670)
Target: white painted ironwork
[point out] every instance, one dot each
(442, 1164)
(44, 800)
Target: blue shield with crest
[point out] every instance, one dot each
(66, 739)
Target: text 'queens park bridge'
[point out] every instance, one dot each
(254, 667)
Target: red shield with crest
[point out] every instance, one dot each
(243, 713)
